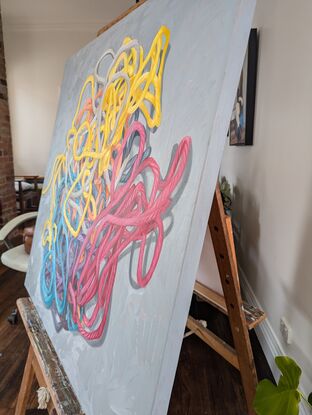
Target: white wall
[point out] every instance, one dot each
(39, 36)
(35, 62)
(273, 178)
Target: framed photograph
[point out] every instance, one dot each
(242, 119)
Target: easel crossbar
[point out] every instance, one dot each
(217, 344)
(254, 316)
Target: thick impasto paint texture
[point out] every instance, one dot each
(137, 144)
(99, 204)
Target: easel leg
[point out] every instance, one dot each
(231, 290)
(246, 365)
(27, 381)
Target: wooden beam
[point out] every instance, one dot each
(253, 316)
(49, 369)
(220, 346)
(230, 284)
(26, 385)
(124, 14)
(210, 296)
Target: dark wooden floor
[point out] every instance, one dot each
(205, 383)
(13, 342)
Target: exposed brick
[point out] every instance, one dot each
(7, 192)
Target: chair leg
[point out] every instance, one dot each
(13, 317)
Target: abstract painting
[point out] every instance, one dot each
(99, 203)
(135, 154)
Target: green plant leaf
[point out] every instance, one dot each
(291, 373)
(310, 399)
(284, 398)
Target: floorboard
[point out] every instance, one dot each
(205, 384)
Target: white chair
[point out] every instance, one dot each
(15, 257)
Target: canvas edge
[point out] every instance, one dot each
(204, 200)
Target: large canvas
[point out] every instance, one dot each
(136, 149)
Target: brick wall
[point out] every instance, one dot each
(7, 193)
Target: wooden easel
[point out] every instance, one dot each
(242, 317)
(43, 364)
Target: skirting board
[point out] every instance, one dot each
(270, 344)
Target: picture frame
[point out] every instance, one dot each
(242, 119)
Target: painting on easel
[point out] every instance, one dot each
(99, 204)
(142, 119)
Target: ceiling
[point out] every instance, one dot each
(60, 14)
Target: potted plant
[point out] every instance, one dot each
(285, 397)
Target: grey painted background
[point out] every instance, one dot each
(132, 371)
